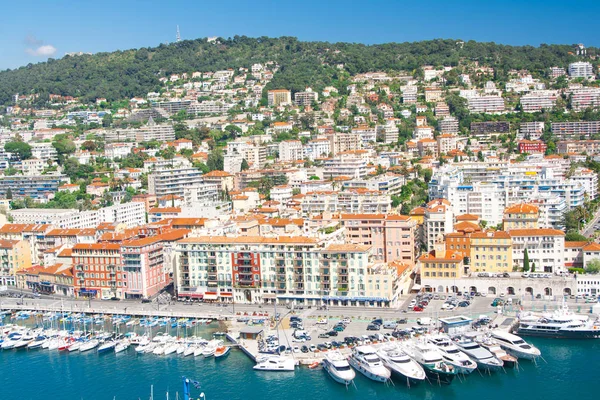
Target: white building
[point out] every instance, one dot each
(545, 248)
(486, 104)
(581, 69)
(291, 150)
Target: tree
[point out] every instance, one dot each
(21, 149)
(89, 145)
(244, 165)
(64, 146)
(532, 267)
(9, 194)
(575, 237)
(593, 266)
(215, 160)
(396, 201)
(483, 224)
(480, 156)
(526, 261)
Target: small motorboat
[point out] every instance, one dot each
(123, 345)
(222, 352)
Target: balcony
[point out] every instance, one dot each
(80, 275)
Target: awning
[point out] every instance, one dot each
(226, 295)
(416, 286)
(192, 295)
(88, 291)
(210, 296)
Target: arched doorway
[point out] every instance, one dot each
(510, 290)
(440, 289)
(454, 289)
(567, 291)
(529, 290)
(548, 291)
(491, 290)
(473, 289)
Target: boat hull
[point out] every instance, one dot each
(363, 370)
(561, 334)
(437, 376)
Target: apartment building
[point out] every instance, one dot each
(438, 221)
(15, 256)
(521, 216)
(531, 146)
(581, 69)
(306, 98)
(389, 132)
(442, 110)
(279, 97)
(223, 180)
(254, 269)
(589, 147)
(38, 187)
(349, 201)
(491, 251)
(391, 237)
(144, 263)
(448, 125)
(433, 95)
(388, 183)
(340, 142)
(173, 181)
(368, 135)
(531, 130)
(545, 248)
(584, 98)
(588, 179)
(555, 72)
(98, 270)
(291, 150)
(486, 104)
(539, 100)
(440, 264)
(34, 234)
(575, 130)
(317, 148)
(43, 151)
(345, 165)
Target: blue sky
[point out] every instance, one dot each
(33, 30)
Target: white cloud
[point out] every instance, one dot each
(46, 50)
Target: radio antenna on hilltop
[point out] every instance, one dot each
(178, 38)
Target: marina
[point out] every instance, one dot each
(423, 359)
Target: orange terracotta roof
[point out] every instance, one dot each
(522, 208)
(157, 210)
(536, 232)
(467, 217)
(250, 240)
(217, 174)
(96, 246)
(347, 247)
(575, 244)
(592, 247)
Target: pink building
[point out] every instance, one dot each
(392, 237)
(146, 262)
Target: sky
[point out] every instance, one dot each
(33, 30)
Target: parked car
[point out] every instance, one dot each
(417, 308)
(373, 327)
(377, 321)
(323, 336)
(464, 304)
(332, 333)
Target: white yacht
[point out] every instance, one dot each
(122, 346)
(89, 345)
(399, 363)
(452, 354)
(75, 346)
(171, 348)
(189, 351)
(338, 367)
(482, 356)
(367, 362)
(492, 345)
(159, 350)
(561, 324)
(274, 363)
(516, 346)
(431, 360)
(11, 340)
(211, 347)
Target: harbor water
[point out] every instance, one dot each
(570, 370)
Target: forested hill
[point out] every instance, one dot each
(124, 74)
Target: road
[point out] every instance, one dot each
(590, 228)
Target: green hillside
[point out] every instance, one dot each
(124, 74)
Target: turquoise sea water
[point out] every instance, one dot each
(571, 371)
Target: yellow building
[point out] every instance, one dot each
(440, 263)
(521, 216)
(491, 252)
(15, 256)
